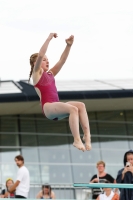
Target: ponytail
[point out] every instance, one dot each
(33, 58)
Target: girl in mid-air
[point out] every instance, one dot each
(53, 109)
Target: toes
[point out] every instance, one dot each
(88, 147)
(79, 146)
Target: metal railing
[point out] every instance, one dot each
(62, 191)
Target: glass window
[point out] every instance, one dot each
(27, 123)
(8, 155)
(8, 124)
(54, 155)
(129, 124)
(52, 140)
(60, 173)
(9, 139)
(115, 143)
(83, 173)
(112, 124)
(35, 173)
(8, 166)
(84, 157)
(111, 116)
(28, 139)
(113, 169)
(49, 126)
(113, 155)
(9, 170)
(30, 154)
(93, 130)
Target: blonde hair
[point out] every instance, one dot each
(101, 162)
(33, 58)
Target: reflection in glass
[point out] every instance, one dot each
(83, 173)
(52, 141)
(86, 157)
(8, 155)
(34, 170)
(54, 155)
(60, 173)
(30, 154)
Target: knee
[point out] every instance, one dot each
(74, 109)
(82, 106)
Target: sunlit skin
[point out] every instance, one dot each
(75, 111)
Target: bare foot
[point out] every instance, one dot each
(79, 145)
(87, 140)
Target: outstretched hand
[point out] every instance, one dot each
(70, 40)
(51, 35)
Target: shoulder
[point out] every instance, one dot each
(94, 176)
(39, 195)
(109, 176)
(23, 169)
(50, 72)
(52, 194)
(120, 171)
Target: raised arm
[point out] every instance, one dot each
(43, 51)
(63, 57)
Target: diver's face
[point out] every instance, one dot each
(45, 64)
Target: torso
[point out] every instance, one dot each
(23, 187)
(45, 88)
(105, 197)
(46, 197)
(97, 191)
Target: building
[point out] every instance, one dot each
(47, 145)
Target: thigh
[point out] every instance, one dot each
(58, 110)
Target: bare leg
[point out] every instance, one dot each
(83, 118)
(62, 110)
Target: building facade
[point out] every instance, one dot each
(47, 145)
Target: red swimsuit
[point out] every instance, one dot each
(47, 88)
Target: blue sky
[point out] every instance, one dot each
(103, 30)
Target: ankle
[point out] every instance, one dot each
(77, 140)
